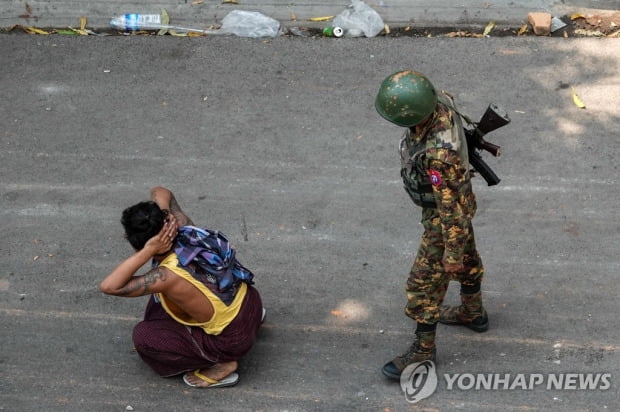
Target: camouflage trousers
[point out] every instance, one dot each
(428, 282)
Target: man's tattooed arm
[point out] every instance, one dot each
(143, 285)
(176, 211)
(166, 200)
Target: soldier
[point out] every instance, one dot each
(435, 172)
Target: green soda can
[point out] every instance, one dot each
(333, 32)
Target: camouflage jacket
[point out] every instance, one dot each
(435, 171)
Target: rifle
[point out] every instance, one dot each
(494, 118)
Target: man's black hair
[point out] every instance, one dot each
(141, 222)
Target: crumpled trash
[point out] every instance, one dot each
(557, 24)
(359, 19)
(249, 24)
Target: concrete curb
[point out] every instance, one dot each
(204, 14)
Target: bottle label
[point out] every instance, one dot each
(135, 21)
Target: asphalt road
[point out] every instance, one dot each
(277, 144)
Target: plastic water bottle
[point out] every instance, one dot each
(134, 21)
(239, 22)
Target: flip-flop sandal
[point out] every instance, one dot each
(229, 380)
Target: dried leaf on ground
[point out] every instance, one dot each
(82, 30)
(589, 33)
(578, 102)
(606, 23)
(68, 32)
(322, 18)
(488, 29)
(34, 30)
(177, 34)
(463, 34)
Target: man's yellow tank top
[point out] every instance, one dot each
(222, 314)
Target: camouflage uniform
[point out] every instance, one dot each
(435, 171)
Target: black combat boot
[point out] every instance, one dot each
(422, 349)
(470, 313)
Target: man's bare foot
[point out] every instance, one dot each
(216, 372)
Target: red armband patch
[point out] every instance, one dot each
(435, 177)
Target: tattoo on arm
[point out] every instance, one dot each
(141, 285)
(175, 209)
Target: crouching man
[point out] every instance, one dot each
(203, 314)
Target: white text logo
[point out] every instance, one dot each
(521, 381)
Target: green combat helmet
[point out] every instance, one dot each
(406, 98)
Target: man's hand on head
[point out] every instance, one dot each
(163, 241)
